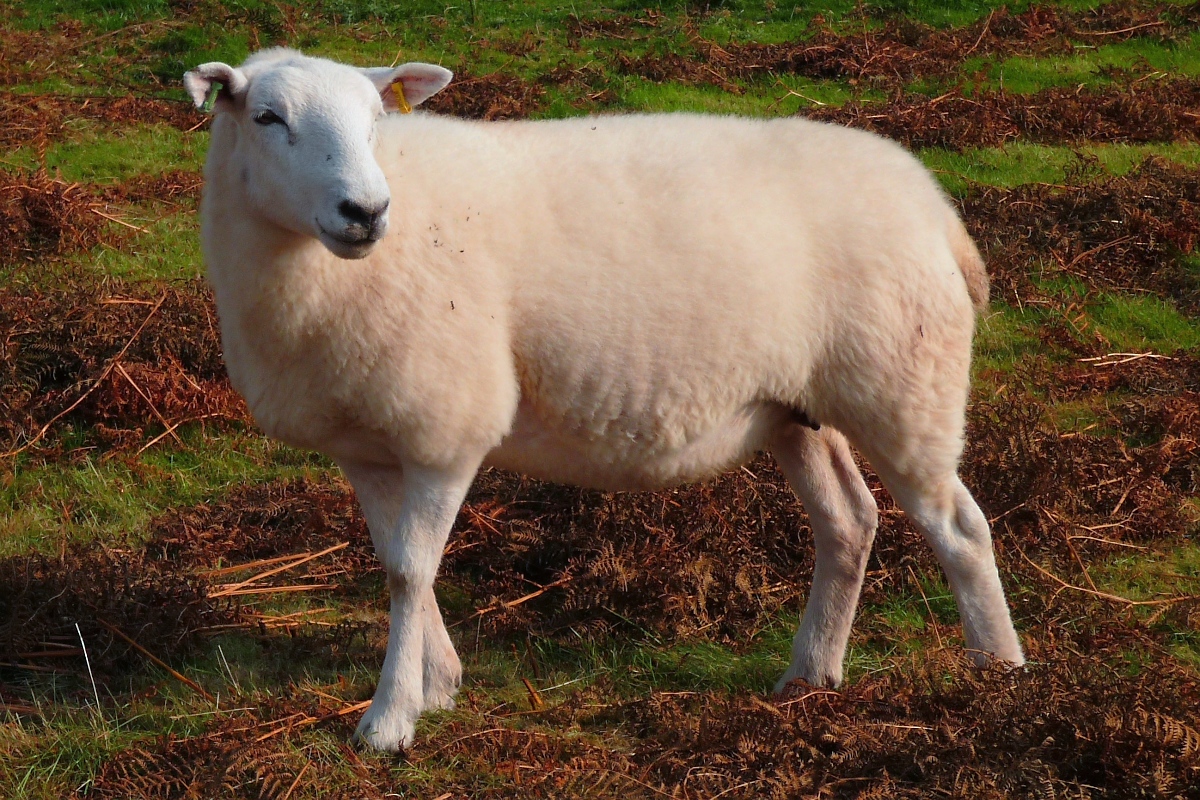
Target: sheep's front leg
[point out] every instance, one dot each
(441, 669)
(410, 514)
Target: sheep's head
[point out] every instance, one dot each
(304, 133)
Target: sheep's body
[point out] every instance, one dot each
(620, 302)
(616, 302)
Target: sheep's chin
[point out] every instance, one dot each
(346, 250)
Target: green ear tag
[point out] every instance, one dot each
(211, 100)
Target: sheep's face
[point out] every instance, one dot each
(305, 138)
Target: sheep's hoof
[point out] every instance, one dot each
(386, 732)
(819, 678)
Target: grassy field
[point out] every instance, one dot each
(613, 644)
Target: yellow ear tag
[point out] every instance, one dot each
(401, 100)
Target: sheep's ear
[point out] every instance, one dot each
(418, 82)
(231, 86)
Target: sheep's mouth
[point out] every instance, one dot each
(366, 239)
(345, 246)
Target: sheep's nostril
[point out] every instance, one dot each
(360, 214)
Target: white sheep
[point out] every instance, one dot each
(619, 302)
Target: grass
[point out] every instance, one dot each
(98, 154)
(1090, 66)
(482, 35)
(90, 497)
(1005, 337)
(169, 250)
(1143, 324)
(1020, 163)
(782, 99)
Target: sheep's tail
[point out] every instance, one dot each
(970, 263)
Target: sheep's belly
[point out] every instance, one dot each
(628, 460)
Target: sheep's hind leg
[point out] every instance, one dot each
(409, 514)
(947, 516)
(843, 514)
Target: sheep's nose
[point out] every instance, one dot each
(362, 215)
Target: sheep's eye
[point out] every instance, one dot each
(269, 118)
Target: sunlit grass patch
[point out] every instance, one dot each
(787, 96)
(167, 248)
(96, 154)
(627, 665)
(1090, 66)
(1004, 336)
(1140, 575)
(1121, 322)
(1083, 416)
(1020, 163)
(1131, 323)
(51, 759)
(106, 14)
(1153, 577)
(88, 496)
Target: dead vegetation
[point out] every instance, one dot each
(22, 50)
(1060, 728)
(256, 523)
(1073, 723)
(720, 560)
(900, 51)
(493, 96)
(118, 364)
(710, 562)
(715, 560)
(45, 596)
(44, 217)
(244, 757)
(1150, 111)
(1128, 233)
(192, 579)
(686, 564)
(33, 120)
(41, 216)
(172, 187)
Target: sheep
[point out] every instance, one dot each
(618, 302)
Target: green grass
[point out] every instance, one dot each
(1089, 416)
(95, 154)
(168, 250)
(1148, 576)
(784, 98)
(1020, 163)
(479, 35)
(1006, 335)
(1125, 323)
(1143, 324)
(1087, 66)
(90, 497)
(1143, 576)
